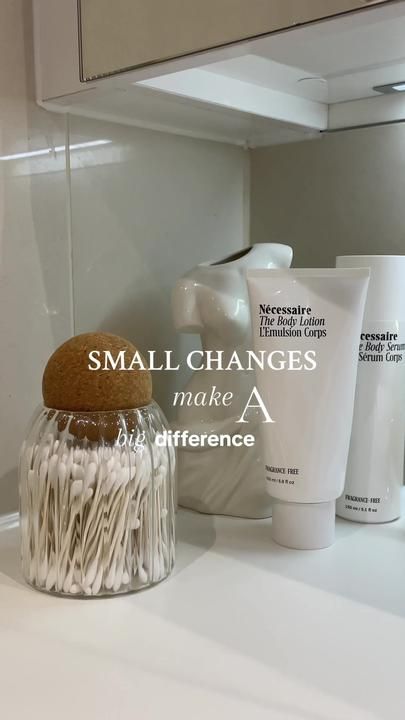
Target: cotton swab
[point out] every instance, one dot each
(93, 516)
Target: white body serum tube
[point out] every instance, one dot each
(376, 458)
(306, 325)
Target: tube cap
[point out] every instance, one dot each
(303, 526)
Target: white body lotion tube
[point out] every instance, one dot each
(306, 325)
(376, 458)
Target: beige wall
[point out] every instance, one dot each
(145, 208)
(343, 193)
(34, 278)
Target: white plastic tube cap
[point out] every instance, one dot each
(303, 526)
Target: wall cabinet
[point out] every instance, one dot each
(131, 33)
(250, 73)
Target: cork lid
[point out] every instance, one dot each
(80, 377)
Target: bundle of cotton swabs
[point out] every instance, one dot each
(96, 520)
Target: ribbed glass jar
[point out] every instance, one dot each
(97, 501)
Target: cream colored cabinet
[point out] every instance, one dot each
(128, 34)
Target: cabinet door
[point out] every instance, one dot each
(122, 34)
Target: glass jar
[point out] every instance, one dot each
(97, 501)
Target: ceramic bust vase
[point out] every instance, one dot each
(212, 301)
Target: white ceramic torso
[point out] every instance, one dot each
(212, 300)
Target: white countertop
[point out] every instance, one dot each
(242, 629)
